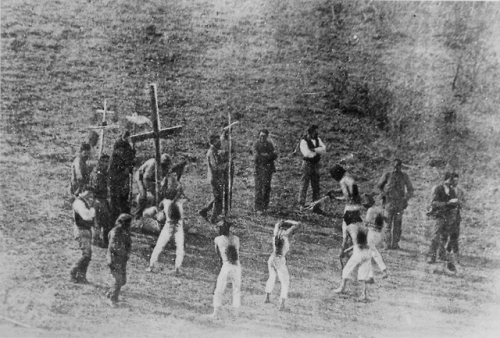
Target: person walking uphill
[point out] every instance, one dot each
(84, 216)
(264, 157)
(444, 212)
(120, 243)
(311, 148)
(396, 189)
(121, 165)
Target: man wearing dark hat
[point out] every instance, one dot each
(121, 165)
(80, 171)
(396, 189)
(312, 148)
(443, 211)
(264, 157)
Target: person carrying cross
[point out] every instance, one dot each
(217, 176)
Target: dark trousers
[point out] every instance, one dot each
(104, 223)
(216, 203)
(439, 235)
(262, 188)
(118, 200)
(84, 238)
(310, 175)
(119, 273)
(393, 226)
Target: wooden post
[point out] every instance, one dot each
(155, 119)
(230, 185)
(156, 134)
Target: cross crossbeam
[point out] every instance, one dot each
(156, 135)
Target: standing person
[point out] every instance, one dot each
(227, 152)
(443, 211)
(99, 182)
(360, 261)
(396, 189)
(217, 169)
(374, 221)
(350, 194)
(454, 233)
(277, 261)
(121, 165)
(80, 171)
(311, 148)
(227, 247)
(145, 178)
(84, 216)
(264, 157)
(120, 243)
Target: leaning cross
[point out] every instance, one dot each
(156, 134)
(103, 126)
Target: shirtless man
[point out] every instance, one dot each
(360, 260)
(277, 261)
(227, 247)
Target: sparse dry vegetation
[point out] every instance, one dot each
(415, 80)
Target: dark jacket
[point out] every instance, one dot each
(120, 244)
(264, 156)
(122, 160)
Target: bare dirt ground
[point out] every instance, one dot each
(60, 60)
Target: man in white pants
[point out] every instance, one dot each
(174, 214)
(374, 221)
(227, 247)
(360, 260)
(277, 260)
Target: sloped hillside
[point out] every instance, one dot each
(415, 80)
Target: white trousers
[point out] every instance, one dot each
(360, 262)
(277, 267)
(374, 240)
(233, 274)
(165, 235)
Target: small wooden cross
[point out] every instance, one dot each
(156, 135)
(103, 126)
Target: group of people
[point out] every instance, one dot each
(102, 196)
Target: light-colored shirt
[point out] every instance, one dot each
(306, 152)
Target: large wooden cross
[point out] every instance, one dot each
(156, 135)
(103, 126)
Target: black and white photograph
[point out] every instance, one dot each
(249, 168)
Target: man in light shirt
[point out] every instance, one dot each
(312, 148)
